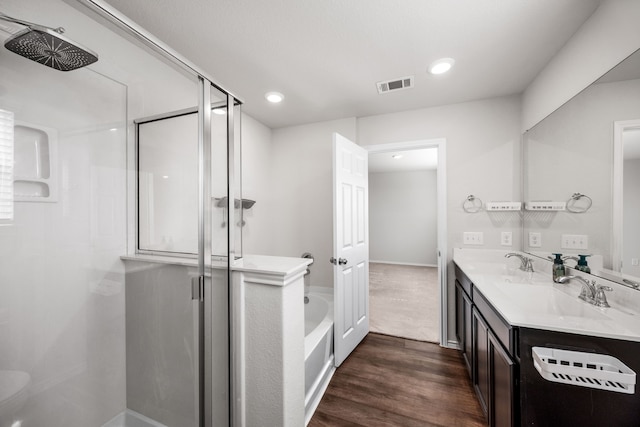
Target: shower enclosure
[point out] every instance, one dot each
(116, 230)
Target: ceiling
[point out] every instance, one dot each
(326, 56)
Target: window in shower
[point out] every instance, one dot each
(168, 184)
(168, 181)
(6, 166)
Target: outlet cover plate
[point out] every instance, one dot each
(535, 240)
(473, 238)
(575, 241)
(506, 238)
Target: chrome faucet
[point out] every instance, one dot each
(588, 292)
(600, 300)
(526, 263)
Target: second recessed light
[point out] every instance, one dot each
(274, 97)
(441, 66)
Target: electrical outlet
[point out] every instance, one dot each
(473, 238)
(506, 238)
(535, 240)
(574, 241)
(634, 262)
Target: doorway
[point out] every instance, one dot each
(407, 239)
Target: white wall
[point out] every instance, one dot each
(257, 184)
(403, 217)
(302, 195)
(483, 158)
(611, 34)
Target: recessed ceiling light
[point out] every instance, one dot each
(219, 111)
(113, 129)
(396, 156)
(441, 66)
(274, 97)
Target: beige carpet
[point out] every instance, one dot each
(403, 301)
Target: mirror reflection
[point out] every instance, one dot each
(582, 174)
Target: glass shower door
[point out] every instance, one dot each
(62, 232)
(101, 323)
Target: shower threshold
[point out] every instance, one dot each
(131, 418)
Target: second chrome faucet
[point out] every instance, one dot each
(591, 292)
(526, 263)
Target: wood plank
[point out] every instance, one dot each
(391, 381)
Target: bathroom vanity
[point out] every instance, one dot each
(505, 318)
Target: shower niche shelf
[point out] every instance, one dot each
(35, 150)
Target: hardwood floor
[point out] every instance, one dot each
(390, 381)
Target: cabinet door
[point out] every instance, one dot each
(463, 326)
(467, 352)
(459, 315)
(481, 360)
(502, 377)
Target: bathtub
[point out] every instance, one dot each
(318, 347)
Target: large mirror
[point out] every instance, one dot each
(582, 177)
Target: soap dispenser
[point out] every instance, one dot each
(582, 264)
(558, 269)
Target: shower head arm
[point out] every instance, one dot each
(8, 18)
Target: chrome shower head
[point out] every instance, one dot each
(48, 47)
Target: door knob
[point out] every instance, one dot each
(339, 261)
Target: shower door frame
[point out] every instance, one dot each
(205, 82)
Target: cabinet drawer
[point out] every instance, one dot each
(465, 283)
(502, 330)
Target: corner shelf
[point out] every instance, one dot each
(35, 150)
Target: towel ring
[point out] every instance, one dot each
(573, 204)
(472, 204)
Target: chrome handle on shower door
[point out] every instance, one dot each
(339, 261)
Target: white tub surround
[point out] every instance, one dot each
(318, 347)
(533, 300)
(268, 345)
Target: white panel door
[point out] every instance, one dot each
(350, 245)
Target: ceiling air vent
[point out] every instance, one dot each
(395, 84)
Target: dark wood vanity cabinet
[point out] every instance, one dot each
(495, 379)
(486, 342)
(480, 358)
(502, 374)
(463, 325)
(510, 389)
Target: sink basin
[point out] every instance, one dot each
(545, 300)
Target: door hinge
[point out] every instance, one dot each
(197, 288)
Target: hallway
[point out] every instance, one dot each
(404, 301)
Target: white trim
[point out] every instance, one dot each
(441, 173)
(453, 344)
(617, 182)
(323, 383)
(412, 264)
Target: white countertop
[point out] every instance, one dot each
(274, 265)
(533, 300)
(265, 264)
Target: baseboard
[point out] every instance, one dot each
(413, 264)
(453, 344)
